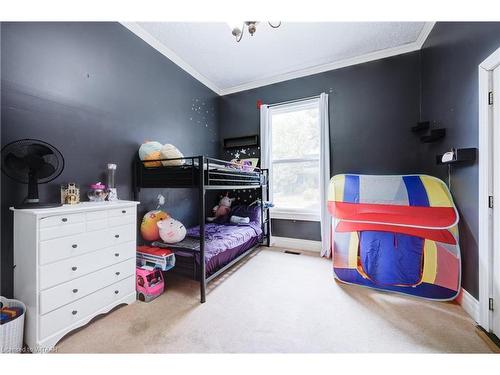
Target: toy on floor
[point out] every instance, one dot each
(155, 257)
(171, 230)
(222, 209)
(395, 233)
(8, 314)
(149, 283)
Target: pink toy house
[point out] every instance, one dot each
(149, 283)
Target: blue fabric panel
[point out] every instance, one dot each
(422, 290)
(391, 258)
(417, 195)
(351, 189)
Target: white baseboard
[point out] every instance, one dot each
(296, 244)
(470, 305)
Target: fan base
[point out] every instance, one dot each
(23, 206)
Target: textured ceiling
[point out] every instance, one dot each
(211, 50)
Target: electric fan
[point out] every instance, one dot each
(32, 162)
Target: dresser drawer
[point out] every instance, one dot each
(73, 290)
(72, 268)
(61, 220)
(122, 234)
(61, 231)
(121, 220)
(122, 211)
(70, 314)
(67, 247)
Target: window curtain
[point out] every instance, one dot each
(324, 175)
(265, 137)
(265, 147)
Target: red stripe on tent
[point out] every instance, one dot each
(448, 267)
(439, 235)
(442, 217)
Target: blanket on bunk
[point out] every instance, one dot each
(219, 238)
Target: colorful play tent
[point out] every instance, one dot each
(395, 233)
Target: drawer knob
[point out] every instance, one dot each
(75, 290)
(117, 236)
(74, 268)
(117, 254)
(64, 219)
(74, 312)
(117, 291)
(124, 211)
(74, 246)
(117, 273)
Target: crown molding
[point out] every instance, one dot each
(372, 56)
(424, 34)
(171, 55)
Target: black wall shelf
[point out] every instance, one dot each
(421, 126)
(434, 136)
(237, 142)
(462, 156)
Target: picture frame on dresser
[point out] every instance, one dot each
(72, 263)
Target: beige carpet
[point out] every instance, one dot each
(277, 302)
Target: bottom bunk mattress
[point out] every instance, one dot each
(223, 243)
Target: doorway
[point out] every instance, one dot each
(489, 193)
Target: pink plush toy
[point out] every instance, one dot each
(223, 208)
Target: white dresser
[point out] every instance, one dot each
(71, 264)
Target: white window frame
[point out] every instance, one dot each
(291, 214)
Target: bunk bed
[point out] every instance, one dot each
(207, 174)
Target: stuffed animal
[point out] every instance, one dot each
(150, 151)
(223, 208)
(149, 229)
(169, 151)
(171, 230)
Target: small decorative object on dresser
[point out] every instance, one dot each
(72, 263)
(97, 192)
(70, 193)
(112, 194)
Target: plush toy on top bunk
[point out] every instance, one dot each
(155, 151)
(222, 210)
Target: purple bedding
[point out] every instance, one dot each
(224, 243)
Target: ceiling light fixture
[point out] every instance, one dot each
(238, 31)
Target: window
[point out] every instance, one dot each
(295, 160)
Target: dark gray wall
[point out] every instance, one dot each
(372, 107)
(450, 60)
(96, 92)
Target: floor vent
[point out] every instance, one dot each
(291, 252)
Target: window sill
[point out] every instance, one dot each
(294, 215)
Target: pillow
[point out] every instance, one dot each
(253, 212)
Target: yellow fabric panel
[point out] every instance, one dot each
(336, 191)
(454, 230)
(430, 262)
(436, 192)
(353, 250)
